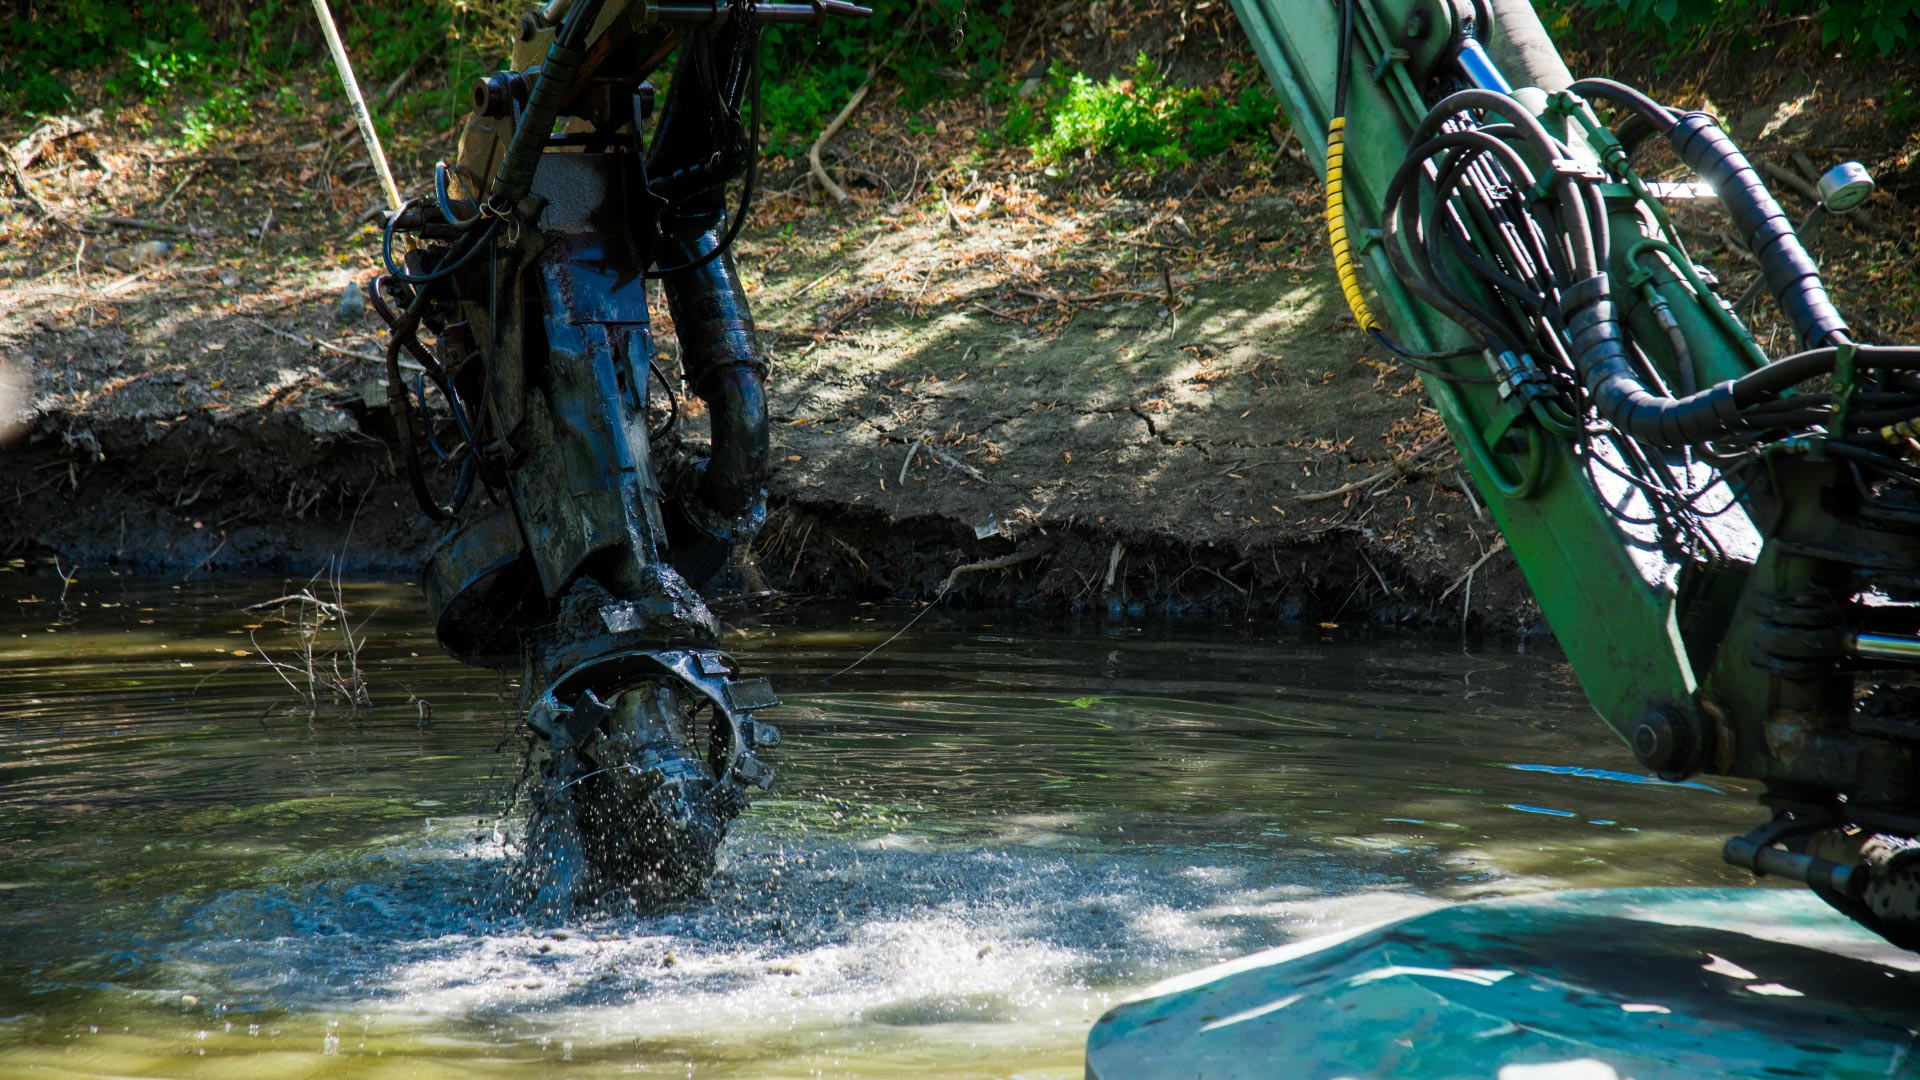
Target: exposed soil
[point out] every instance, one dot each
(1116, 390)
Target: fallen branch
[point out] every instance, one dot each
(953, 217)
(1398, 467)
(1000, 563)
(118, 222)
(119, 301)
(49, 132)
(19, 176)
(947, 456)
(1225, 580)
(814, 167)
(192, 174)
(309, 339)
(1499, 546)
(1088, 298)
(1789, 178)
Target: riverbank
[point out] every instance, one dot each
(1089, 386)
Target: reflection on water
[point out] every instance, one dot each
(980, 839)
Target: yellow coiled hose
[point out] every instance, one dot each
(1337, 227)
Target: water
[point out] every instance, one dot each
(980, 840)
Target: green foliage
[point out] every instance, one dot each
(1902, 102)
(286, 101)
(1246, 116)
(932, 47)
(156, 51)
(1135, 119)
(157, 67)
(44, 39)
(203, 122)
(1867, 28)
(1145, 120)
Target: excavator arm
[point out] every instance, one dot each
(1726, 543)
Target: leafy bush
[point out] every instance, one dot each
(158, 49)
(221, 112)
(43, 39)
(929, 46)
(1145, 120)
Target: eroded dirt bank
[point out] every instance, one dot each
(952, 388)
(1093, 390)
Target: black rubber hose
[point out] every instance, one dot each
(1618, 394)
(720, 354)
(400, 332)
(746, 200)
(1620, 93)
(1483, 325)
(1790, 371)
(1575, 226)
(1793, 278)
(515, 176)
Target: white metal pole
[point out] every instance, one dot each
(359, 104)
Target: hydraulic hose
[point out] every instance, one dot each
(1600, 356)
(1792, 276)
(720, 354)
(550, 92)
(1336, 182)
(1790, 371)
(1337, 228)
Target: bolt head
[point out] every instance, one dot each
(1665, 742)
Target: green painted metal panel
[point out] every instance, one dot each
(1613, 611)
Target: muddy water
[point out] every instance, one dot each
(979, 840)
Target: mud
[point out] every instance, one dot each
(1133, 452)
(1089, 388)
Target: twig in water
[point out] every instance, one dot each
(1467, 580)
(222, 546)
(337, 672)
(1000, 563)
(66, 579)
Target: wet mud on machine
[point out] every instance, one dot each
(539, 425)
